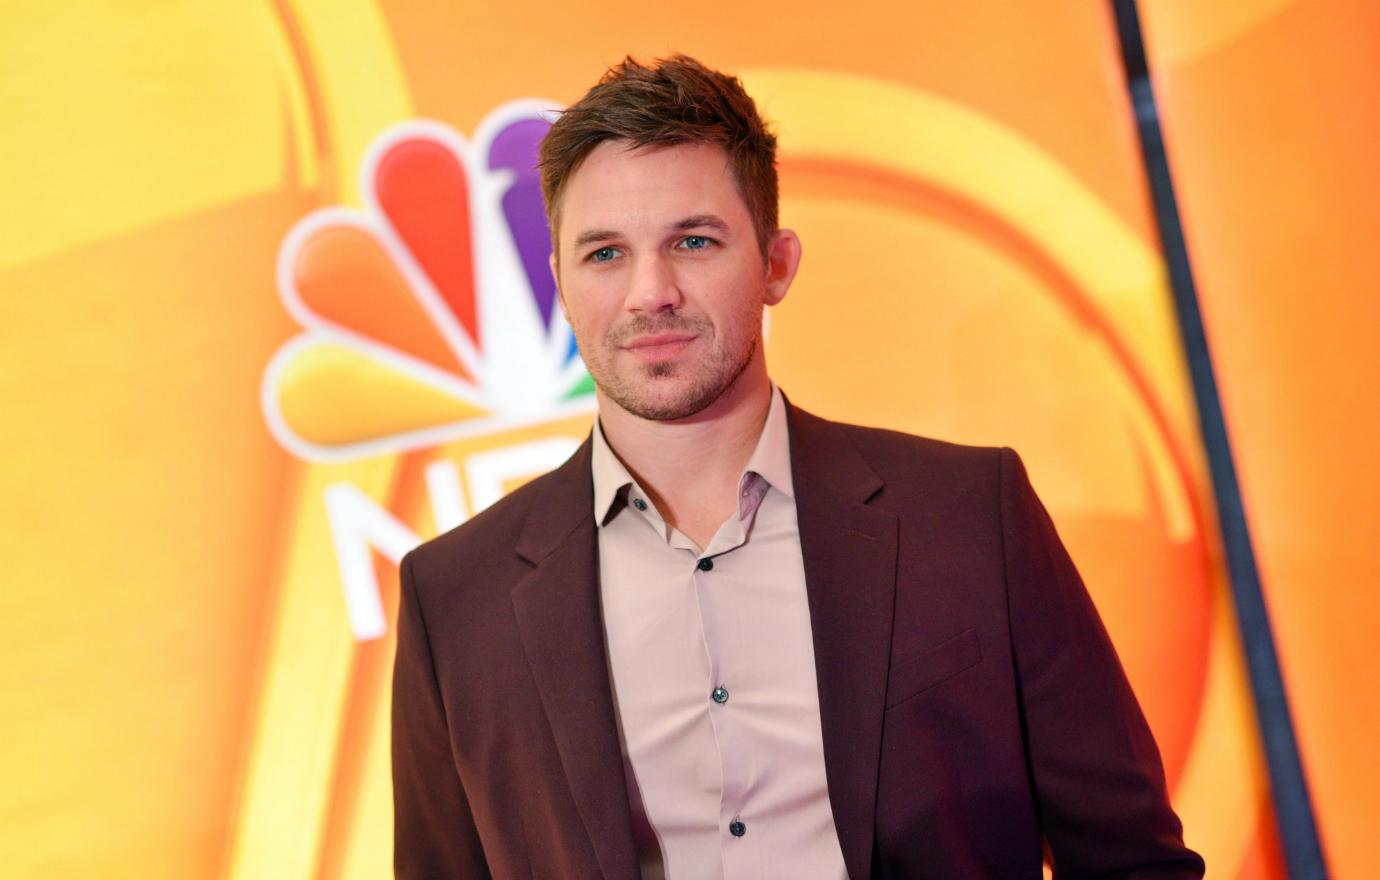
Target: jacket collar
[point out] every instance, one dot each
(849, 549)
(562, 632)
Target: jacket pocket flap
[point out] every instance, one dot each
(945, 660)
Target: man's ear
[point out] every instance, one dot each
(783, 259)
(556, 278)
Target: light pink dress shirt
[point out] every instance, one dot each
(713, 673)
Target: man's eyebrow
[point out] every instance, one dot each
(710, 220)
(695, 221)
(592, 235)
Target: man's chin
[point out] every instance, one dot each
(674, 390)
(672, 401)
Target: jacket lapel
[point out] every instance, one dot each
(849, 550)
(561, 626)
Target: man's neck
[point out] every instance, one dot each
(691, 467)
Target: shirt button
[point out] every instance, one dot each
(705, 564)
(639, 504)
(737, 828)
(720, 695)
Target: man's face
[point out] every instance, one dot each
(661, 276)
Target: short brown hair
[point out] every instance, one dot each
(675, 100)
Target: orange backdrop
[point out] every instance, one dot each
(240, 389)
(1269, 117)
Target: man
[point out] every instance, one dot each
(728, 638)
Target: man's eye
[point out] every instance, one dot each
(603, 255)
(695, 242)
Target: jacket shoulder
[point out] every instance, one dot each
(899, 456)
(886, 443)
(487, 540)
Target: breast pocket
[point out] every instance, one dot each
(914, 676)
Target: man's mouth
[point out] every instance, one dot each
(656, 347)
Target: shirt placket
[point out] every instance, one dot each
(713, 575)
(676, 543)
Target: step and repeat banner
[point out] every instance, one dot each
(276, 309)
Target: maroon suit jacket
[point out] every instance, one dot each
(972, 707)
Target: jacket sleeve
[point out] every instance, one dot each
(434, 834)
(1098, 780)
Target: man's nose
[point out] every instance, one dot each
(652, 286)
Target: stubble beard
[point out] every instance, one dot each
(668, 391)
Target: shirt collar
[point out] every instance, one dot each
(611, 478)
(770, 459)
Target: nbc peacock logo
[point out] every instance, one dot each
(430, 314)
(430, 333)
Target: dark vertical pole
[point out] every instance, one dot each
(1293, 809)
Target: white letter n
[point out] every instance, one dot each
(359, 525)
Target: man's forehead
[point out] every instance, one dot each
(659, 183)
